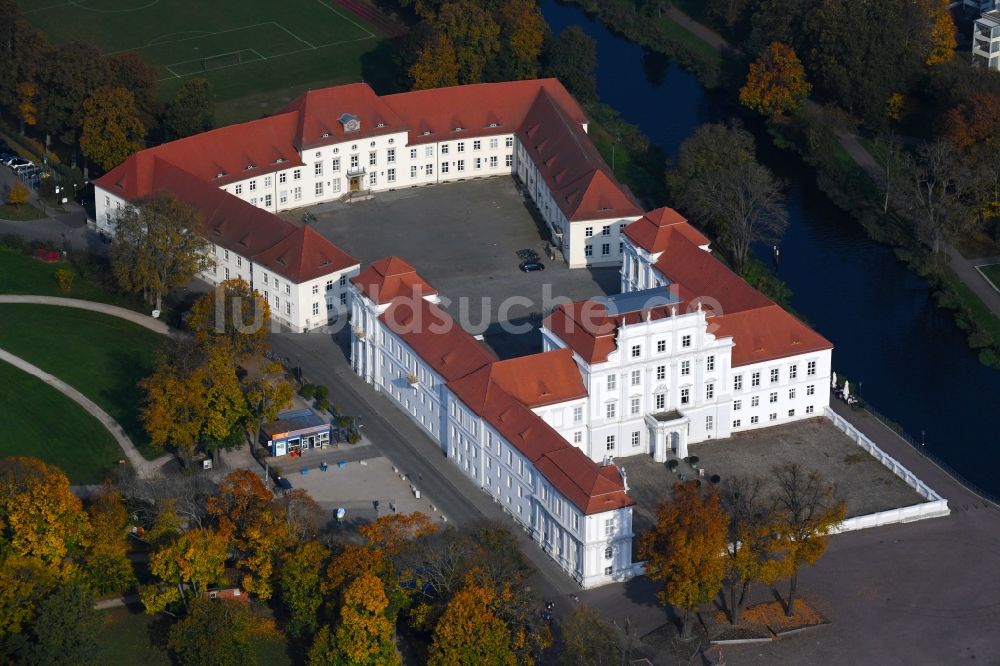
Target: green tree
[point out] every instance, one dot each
(111, 127)
(475, 34)
(63, 631)
(217, 632)
(364, 635)
(191, 111)
(106, 559)
(588, 640)
(21, 53)
(185, 568)
(130, 71)
(522, 32)
(72, 71)
(158, 246)
(17, 194)
(808, 510)
(684, 549)
(300, 575)
(572, 58)
(323, 650)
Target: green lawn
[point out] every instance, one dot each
(101, 356)
(20, 213)
(22, 274)
(40, 421)
(992, 273)
(244, 47)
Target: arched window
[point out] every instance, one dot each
(609, 552)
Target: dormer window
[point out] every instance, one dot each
(381, 125)
(459, 129)
(319, 155)
(493, 125)
(279, 160)
(426, 133)
(350, 122)
(221, 174)
(326, 135)
(250, 167)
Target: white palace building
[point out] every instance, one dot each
(687, 352)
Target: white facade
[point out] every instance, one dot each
(594, 549)
(986, 40)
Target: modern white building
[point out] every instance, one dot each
(986, 40)
(490, 418)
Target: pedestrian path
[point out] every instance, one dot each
(144, 468)
(145, 321)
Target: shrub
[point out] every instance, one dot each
(694, 460)
(64, 277)
(322, 392)
(322, 404)
(353, 438)
(344, 421)
(15, 242)
(715, 478)
(17, 194)
(672, 464)
(308, 391)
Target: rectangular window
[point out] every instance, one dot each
(315, 289)
(494, 162)
(636, 351)
(319, 189)
(791, 394)
(606, 231)
(460, 165)
(267, 181)
(355, 162)
(461, 146)
(444, 148)
(660, 400)
(390, 155)
(736, 424)
(297, 174)
(253, 185)
(315, 309)
(588, 232)
(610, 410)
(479, 163)
(612, 382)
(635, 405)
(605, 249)
(754, 420)
(413, 153)
(709, 391)
(809, 409)
(336, 164)
(343, 280)
(588, 251)
(773, 417)
(810, 390)
(329, 285)
(754, 401)
(685, 396)
(413, 171)
(709, 423)
(609, 442)
(335, 187)
(509, 141)
(494, 143)
(283, 197)
(791, 413)
(773, 398)
(635, 438)
(239, 262)
(661, 372)
(774, 375)
(391, 175)
(609, 527)
(428, 169)
(372, 159)
(738, 382)
(755, 379)
(477, 144)
(710, 364)
(239, 188)
(288, 308)
(297, 193)
(811, 368)
(227, 273)
(737, 405)
(793, 371)
(429, 151)
(635, 377)
(686, 341)
(267, 200)
(508, 160)
(685, 367)
(372, 178)
(577, 437)
(661, 346)
(318, 169)
(577, 414)
(444, 167)
(282, 177)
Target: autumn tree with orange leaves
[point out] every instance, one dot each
(776, 84)
(470, 632)
(185, 568)
(942, 35)
(364, 635)
(684, 549)
(234, 315)
(974, 128)
(107, 564)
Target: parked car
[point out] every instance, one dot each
(531, 265)
(18, 163)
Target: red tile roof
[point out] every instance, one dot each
(765, 334)
(652, 231)
(435, 337)
(534, 381)
(761, 330)
(306, 255)
(318, 115)
(581, 183)
(592, 488)
(389, 278)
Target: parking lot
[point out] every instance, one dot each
(463, 238)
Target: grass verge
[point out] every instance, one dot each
(41, 422)
(23, 274)
(101, 356)
(22, 213)
(992, 273)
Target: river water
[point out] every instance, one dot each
(912, 361)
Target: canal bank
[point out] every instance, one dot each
(910, 359)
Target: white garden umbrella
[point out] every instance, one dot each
(833, 380)
(847, 390)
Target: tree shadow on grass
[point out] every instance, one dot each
(128, 369)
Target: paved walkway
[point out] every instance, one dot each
(144, 468)
(145, 321)
(703, 32)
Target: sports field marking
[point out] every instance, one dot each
(202, 70)
(202, 33)
(77, 3)
(45, 8)
(986, 277)
(346, 18)
(294, 36)
(194, 34)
